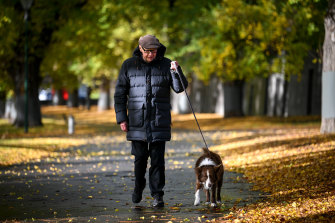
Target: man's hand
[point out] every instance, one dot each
(174, 65)
(124, 126)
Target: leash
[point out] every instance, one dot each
(189, 102)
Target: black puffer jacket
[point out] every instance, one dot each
(144, 89)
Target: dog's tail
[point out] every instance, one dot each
(206, 150)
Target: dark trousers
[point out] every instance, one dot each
(142, 151)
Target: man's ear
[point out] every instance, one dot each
(141, 49)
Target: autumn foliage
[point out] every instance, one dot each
(288, 159)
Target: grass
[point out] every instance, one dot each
(52, 138)
(295, 165)
(285, 157)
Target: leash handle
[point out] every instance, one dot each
(189, 101)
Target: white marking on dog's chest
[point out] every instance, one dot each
(207, 162)
(208, 182)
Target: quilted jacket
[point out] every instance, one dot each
(142, 96)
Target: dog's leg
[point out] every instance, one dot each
(213, 204)
(218, 192)
(197, 197)
(207, 196)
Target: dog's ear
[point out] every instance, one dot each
(197, 170)
(217, 168)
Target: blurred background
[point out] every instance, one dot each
(241, 57)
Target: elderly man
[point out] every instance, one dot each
(142, 107)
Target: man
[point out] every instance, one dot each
(143, 89)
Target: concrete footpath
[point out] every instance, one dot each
(96, 183)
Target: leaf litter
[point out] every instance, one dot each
(287, 158)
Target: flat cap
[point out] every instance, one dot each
(149, 42)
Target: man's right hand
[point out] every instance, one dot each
(124, 126)
(174, 65)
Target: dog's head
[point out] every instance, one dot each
(207, 175)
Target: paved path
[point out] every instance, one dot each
(97, 185)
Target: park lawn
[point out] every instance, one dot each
(52, 138)
(296, 166)
(287, 158)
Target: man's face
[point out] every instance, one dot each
(148, 54)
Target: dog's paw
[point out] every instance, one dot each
(213, 205)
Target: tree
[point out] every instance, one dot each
(242, 39)
(106, 32)
(46, 17)
(328, 72)
(96, 40)
(87, 40)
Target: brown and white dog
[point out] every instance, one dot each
(209, 176)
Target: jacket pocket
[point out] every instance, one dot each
(163, 115)
(136, 114)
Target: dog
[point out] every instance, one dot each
(209, 172)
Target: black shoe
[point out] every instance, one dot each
(158, 202)
(137, 196)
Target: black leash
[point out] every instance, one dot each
(189, 102)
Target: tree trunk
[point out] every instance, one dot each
(233, 98)
(328, 72)
(73, 101)
(88, 98)
(2, 103)
(10, 112)
(34, 108)
(34, 112)
(2, 108)
(104, 97)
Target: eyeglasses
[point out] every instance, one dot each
(147, 51)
